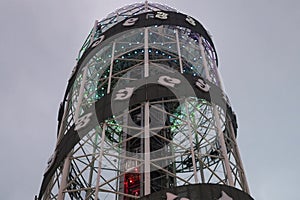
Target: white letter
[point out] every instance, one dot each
(130, 21)
(124, 94)
(150, 15)
(99, 40)
(161, 15)
(202, 85)
(168, 81)
(190, 20)
(82, 121)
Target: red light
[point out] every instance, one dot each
(132, 183)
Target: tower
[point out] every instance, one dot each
(145, 115)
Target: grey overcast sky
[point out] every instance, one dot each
(258, 43)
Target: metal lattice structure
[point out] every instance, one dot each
(144, 111)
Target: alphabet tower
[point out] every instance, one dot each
(145, 115)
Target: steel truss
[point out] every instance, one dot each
(163, 143)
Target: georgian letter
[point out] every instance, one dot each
(82, 121)
(130, 21)
(202, 85)
(124, 93)
(190, 20)
(149, 15)
(168, 81)
(101, 38)
(161, 15)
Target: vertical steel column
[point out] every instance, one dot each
(88, 192)
(201, 171)
(204, 61)
(147, 180)
(100, 161)
(60, 135)
(223, 145)
(146, 55)
(146, 6)
(64, 177)
(207, 76)
(123, 153)
(81, 95)
(179, 51)
(94, 32)
(191, 142)
(67, 163)
(217, 121)
(239, 162)
(111, 67)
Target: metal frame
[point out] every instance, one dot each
(202, 148)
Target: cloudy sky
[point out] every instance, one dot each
(258, 43)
